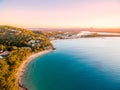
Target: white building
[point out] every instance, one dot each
(1, 57)
(85, 33)
(31, 42)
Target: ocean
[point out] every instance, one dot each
(77, 64)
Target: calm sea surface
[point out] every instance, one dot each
(77, 64)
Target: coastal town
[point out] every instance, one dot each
(54, 35)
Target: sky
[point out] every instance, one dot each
(60, 13)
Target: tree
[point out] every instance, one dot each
(2, 47)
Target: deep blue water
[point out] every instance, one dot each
(78, 64)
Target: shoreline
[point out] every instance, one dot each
(21, 70)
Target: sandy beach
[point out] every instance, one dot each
(23, 66)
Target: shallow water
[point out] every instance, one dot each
(78, 64)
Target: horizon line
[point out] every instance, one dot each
(47, 27)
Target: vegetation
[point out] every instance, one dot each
(20, 43)
(9, 66)
(11, 36)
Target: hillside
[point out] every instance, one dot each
(16, 44)
(12, 36)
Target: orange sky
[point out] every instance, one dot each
(61, 13)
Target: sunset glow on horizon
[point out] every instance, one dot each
(60, 13)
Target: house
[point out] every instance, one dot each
(38, 41)
(34, 42)
(1, 57)
(5, 53)
(31, 41)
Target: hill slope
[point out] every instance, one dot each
(16, 44)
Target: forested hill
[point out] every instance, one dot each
(16, 44)
(13, 36)
(11, 29)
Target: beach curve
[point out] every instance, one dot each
(21, 70)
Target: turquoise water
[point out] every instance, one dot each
(78, 64)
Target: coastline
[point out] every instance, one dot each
(21, 70)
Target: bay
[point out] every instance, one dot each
(77, 64)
